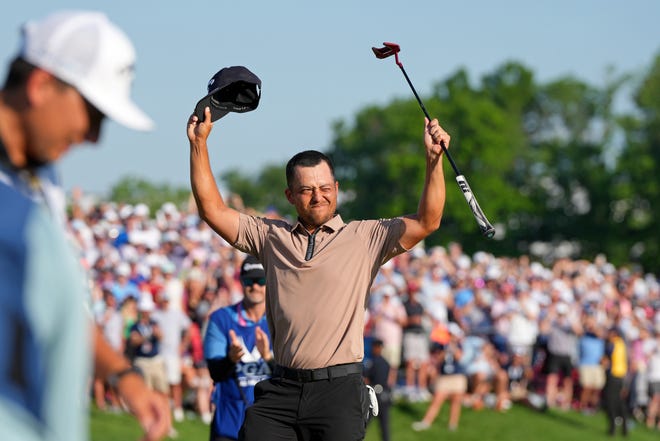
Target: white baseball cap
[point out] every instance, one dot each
(86, 50)
(146, 303)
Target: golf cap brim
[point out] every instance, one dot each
(232, 89)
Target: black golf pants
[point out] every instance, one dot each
(324, 410)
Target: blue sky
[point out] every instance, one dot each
(316, 65)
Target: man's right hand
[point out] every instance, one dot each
(198, 131)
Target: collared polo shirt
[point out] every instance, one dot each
(315, 307)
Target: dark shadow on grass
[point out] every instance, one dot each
(565, 418)
(408, 408)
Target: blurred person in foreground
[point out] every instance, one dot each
(72, 70)
(318, 274)
(237, 351)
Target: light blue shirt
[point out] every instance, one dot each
(44, 328)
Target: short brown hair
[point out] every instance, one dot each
(307, 158)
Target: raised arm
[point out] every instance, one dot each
(211, 206)
(432, 201)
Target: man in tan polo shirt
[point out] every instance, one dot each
(318, 273)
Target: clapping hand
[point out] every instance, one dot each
(263, 344)
(235, 347)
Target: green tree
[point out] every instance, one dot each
(263, 192)
(568, 175)
(133, 190)
(637, 186)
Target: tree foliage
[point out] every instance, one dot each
(264, 192)
(636, 192)
(134, 190)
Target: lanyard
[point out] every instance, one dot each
(29, 182)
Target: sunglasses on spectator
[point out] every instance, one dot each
(249, 281)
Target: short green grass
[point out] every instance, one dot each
(518, 423)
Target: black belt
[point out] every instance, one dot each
(326, 373)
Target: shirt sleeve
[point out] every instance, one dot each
(381, 238)
(250, 236)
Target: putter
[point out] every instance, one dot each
(486, 228)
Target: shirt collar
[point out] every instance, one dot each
(334, 224)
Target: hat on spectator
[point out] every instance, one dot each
(251, 267)
(170, 236)
(481, 257)
(562, 308)
(169, 208)
(167, 267)
(146, 303)
(141, 210)
(493, 272)
(123, 269)
(110, 215)
(388, 290)
(463, 262)
(126, 211)
(87, 51)
(153, 260)
(418, 252)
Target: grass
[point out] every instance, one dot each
(519, 423)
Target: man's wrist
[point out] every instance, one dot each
(115, 378)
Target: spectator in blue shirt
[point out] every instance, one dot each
(591, 347)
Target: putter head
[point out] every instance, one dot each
(387, 50)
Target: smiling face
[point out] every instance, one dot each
(313, 191)
(254, 292)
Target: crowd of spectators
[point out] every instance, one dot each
(516, 329)
(519, 330)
